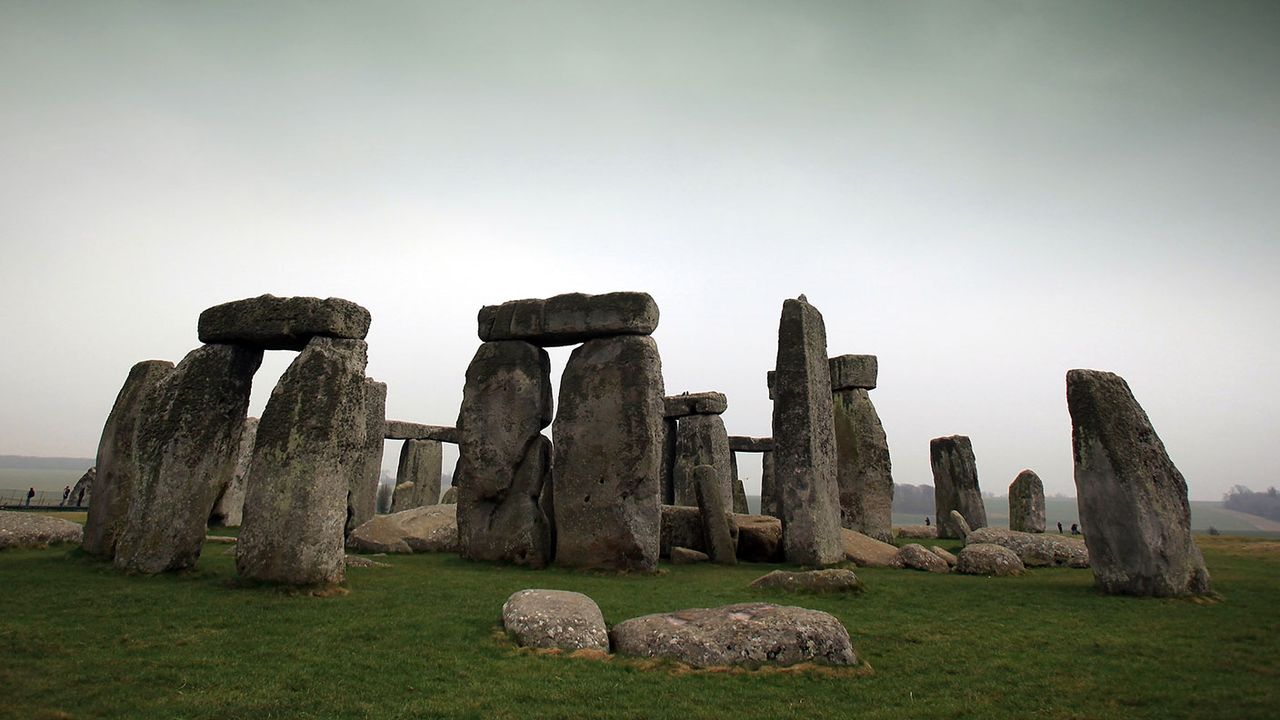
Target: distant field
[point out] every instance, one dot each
(39, 478)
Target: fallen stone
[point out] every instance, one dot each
(450, 496)
(916, 532)
(701, 440)
(747, 634)
(944, 554)
(355, 561)
(421, 462)
(850, 372)
(433, 528)
(401, 430)
(685, 556)
(219, 540)
(1026, 503)
(759, 538)
(744, 443)
(282, 323)
(917, 557)
(555, 619)
(362, 492)
(960, 524)
(717, 538)
(703, 403)
(988, 559)
(1133, 500)
(1035, 549)
(228, 510)
(818, 582)
(866, 551)
(804, 443)
(569, 319)
(955, 484)
(864, 471)
(27, 530)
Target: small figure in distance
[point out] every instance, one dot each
(1075, 529)
(30, 494)
(80, 498)
(66, 493)
(926, 521)
(1059, 527)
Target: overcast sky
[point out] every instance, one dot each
(982, 194)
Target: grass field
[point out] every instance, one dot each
(421, 639)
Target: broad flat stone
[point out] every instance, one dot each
(685, 556)
(228, 511)
(421, 463)
(955, 485)
(817, 582)
(282, 323)
(863, 468)
(744, 443)
(433, 528)
(1035, 549)
(296, 498)
(1132, 499)
(918, 557)
(716, 534)
(867, 551)
(362, 493)
(503, 459)
(701, 440)
(608, 452)
(569, 319)
(703, 403)
(804, 442)
(29, 530)
(402, 430)
(557, 619)
(854, 372)
(1026, 503)
(115, 484)
(759, 538)
(188, 435)
(988, 559)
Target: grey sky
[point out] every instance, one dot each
(982, 194)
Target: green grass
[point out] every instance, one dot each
(420, 639)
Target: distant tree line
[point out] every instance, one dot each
(913, 499)
(1263, 504)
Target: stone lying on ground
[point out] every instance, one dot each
(744, 443)
(1026, 503)
(853, 372)
(569, 319)
(944, 554)
(960, 524)
(917, 532)
(685, 556)
(26, 530)
(1035, 549)
(955, 484)
(759, 538)
(220, 539)
(918, 557)
(1132, 499)
(988, 559)
(703, 403)
(401, 430)
(355, 561)
(431, 528)
(282, 323)
(450, 496)
(831, 580)
(867, 551)
(555, 619)
(748, 634)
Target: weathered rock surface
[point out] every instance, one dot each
(555, 619)
(744, 443)
(503, 459)
(188, 435)
(944, 554)
(362, 493)
(402, 430)
(1026, 503)
(854, 372)
(115, 484)
(355, 561)
(960, 524)
(804, 443)
(759, 538)
(450, 496)
(28, 530)
(818, 582)
(749, 634)
(685, 556)
(282, 323)
(701, 440)
(866, 551)
(770, 493)
(703, 403)
(918, 532)
(917, 557)
(988, 559)
(83, 485)
(681, 526)
(955, 484)
(403, 496)
(228, 510)
(433, 528)
(1035, 549)
(296, 499)
(569, 319)
(717, 538)
(1133, 500)
(667, 470)
(608, 451)
(740, 497)
(421, 462)
(863, 469)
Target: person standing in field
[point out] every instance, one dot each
(30, 494)
(1059, 527)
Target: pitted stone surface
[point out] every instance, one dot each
(362, 493)
(988, 559)
(685, 556)
(421, 462)
(681, 526)
(867, 551)
(854, 371)
(701, 440)
(864, 470)
(1035, 549)
(955, 484)
(759, 538)
(916, 532)
(1026, 503)
(229, 509)
(402, 430)
(818, 582)
(28, 530)
(747, 634)
(555, 619)
(569, 319)
(703, 403)
(770, 493)
(944, 554)
(433, 528)
(282, 323)
(1133, 500)
(744, 443)
(716, 531)
(918, 557)
(85, 485)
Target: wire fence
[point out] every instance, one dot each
(42, 500)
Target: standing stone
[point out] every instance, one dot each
(421, 462)
(701, 440)
(864, 470)
(1133, 501)
(402, 497)
(386, 490)
(770, 493)
(608, 453)
(504, 461)
(1026, 503)
(229, 509)
(115, 485)
(955, 485)
(362, 493)
(187, 439)
(296, 500)
(717, 538)
(739, 490)
(669, 430)
(803, 436)
(83, 485)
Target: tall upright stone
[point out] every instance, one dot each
(115, 485)
(770, 493)
(504, 461)
(188, 437)
(608, 453)
(229, 508)
(864, 471)
(716, 533)
(667, 493)
(362, 493)
(739, 490)
(1132, 499)
(955, 485)
(421, 462)
(803, 436)
(310, 443)
(701, 439)
(1026, 503)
